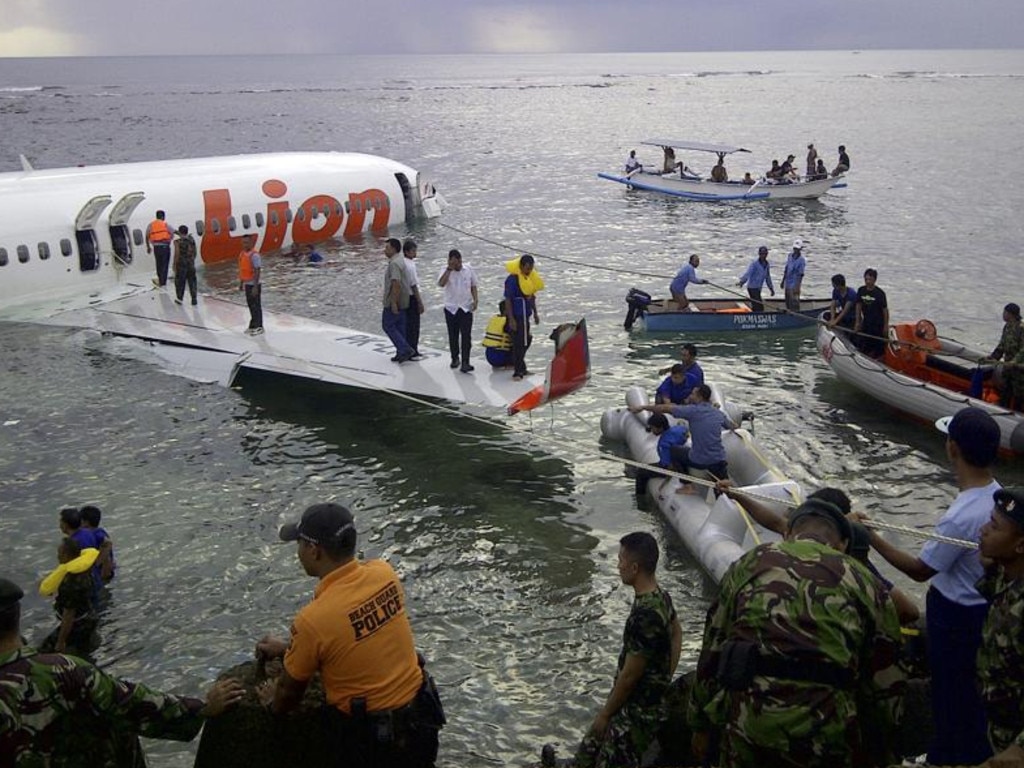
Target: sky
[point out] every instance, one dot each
(124, 27)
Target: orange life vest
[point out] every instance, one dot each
(159, 232)
(246, 273)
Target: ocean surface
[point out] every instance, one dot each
(505, 534)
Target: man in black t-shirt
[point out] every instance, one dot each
(872, 324)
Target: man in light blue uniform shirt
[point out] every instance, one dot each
(685, 276)
(706, 423)
(671, 441)
(955, 609)
(757, 274)
(793, 276)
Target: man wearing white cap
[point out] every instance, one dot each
(793, 275)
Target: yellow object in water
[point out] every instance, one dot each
(80, 564)
(528, 284)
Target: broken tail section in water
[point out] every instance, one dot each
(567, 372)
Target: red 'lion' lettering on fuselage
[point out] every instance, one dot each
(218, 244)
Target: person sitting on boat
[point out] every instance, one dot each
(678, 385)
(787, 173)
(688, 358)
(844, 162)
(718, 173)
(773, 172)
(757, 274)
(793, 275)
(820, 172)
(685, 172)
(706, 422)
(669, 166)
(497, 343)
(685, 276)
(1010, 343)
(842, 313)
(872, 324)
(748, 179)
(633, 166)
(671, 441)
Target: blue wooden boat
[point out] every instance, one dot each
(720, 315)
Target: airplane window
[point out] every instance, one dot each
(259, 219)
(44, 250)
(23, 254)
(246, 223)
(347, 207)
(3, 257)
(231, 223)
(301, 214)
(288, 215)
(200, 227)
(65, 246)
(137, 236)
(387, 202)
(215, 225)
(337, 208)
(274, 218)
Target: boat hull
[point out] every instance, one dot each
(727, 315)
(710, 191)
(911, 394)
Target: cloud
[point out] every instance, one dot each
(39, 41)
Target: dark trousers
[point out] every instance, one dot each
(460, 334)
(394, 326)
(755, 299)
(412, 324)
(254, 298)
(162, 254)
(681, 463)
(520, 343)
(183, 277)
(958, 713)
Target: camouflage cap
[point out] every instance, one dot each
(826, 510)
(10, 594)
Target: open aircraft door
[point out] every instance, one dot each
(85, 233)
(119, 234)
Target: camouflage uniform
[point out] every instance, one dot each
(631, 730)
(1011, 351)
(803, 602)
(1001, 660)
(58, 710)
(76, 593)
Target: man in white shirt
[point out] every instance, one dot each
(460, 300)
(956, 610)
(416, 308)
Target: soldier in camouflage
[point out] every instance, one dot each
(627, 724)
(1011, 350)
(1001, 656)
(799, 665)
(58, 710)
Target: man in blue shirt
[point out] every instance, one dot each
(956, 610)
(671, 443)
(685, 276)
(757, 274)
(844, 301)
(683, 378)
(793, 275)
(518, 308)
(706, 423)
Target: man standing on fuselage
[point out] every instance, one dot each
(158, 242)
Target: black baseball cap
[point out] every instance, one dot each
(320, 524)
(975, 432)
(1010, 501)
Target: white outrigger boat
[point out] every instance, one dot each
(680, 181)
(715, 531)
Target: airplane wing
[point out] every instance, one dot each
(207, 343)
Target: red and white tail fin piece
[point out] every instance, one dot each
(568, 370)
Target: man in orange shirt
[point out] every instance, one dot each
(356, 634)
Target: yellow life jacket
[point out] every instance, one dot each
(80, 564)
(528, 284)
(495, 335)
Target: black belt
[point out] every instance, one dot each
(805, 670)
